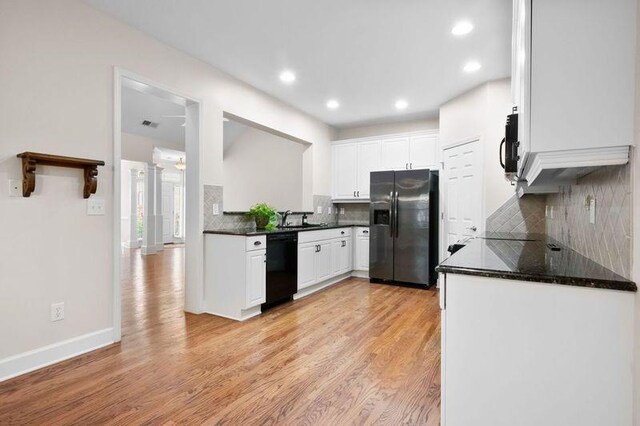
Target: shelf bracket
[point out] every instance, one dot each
(31, 159)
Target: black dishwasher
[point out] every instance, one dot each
(282, 268)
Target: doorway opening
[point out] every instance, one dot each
(158, 204)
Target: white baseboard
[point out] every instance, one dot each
(26, 362)
(360, 274)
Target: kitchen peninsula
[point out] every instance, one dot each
(534, 333)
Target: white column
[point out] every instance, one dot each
(149, 234)
(133, 215)
(159, 224)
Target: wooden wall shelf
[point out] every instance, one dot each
(31, 159)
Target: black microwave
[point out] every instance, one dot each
(509, 146)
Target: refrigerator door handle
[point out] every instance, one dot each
(395, 214)
(391, 220)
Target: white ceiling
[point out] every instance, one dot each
(364, 53)
(138, 106)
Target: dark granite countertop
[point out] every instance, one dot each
(527, 257)
(254, 231)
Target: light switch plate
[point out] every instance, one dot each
(95, 207)
(215, 209)
(15, 188)
(592, 211)
(319, 209)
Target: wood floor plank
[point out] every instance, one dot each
(355, 353)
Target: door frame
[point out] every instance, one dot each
(194, 197)
(444, 189)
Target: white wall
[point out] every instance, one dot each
(387, 128)
(481, 112)
(140, 148)
(56, 80)
(261, 167)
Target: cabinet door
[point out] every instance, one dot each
(423, 151)
(256, 277)
(346, 256)
(306, 265)
(368, 161)
(336, 257)
(395, 154)
(344, 174)
(323, 261)
(362, 254)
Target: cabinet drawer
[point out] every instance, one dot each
(324, 234)
(259, 242)
(362, 231)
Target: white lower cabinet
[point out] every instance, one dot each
(256, 277)
(361, 249)
(324, 254)
(342, 256)
(530, 354)
(307, 264)
(235, 275)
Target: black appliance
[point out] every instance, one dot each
(403, 217)
(509, 146)
(282, 268)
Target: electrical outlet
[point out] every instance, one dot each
(15, 188)
(215, 209)
(319, 209)
(57, 311)
(95, 206)
(341, 210)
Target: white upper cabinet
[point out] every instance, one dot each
(423, 152)
(395, 154)
(368, 161)
(344, 170)
(354, 160)
(573, 83)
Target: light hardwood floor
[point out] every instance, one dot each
(355, 353)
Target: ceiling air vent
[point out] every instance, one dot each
(149, 124)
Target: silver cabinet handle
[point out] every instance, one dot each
(265, 258)
(341, 232)
(411, 165)
(406, 166)
(365, 232)
(358, 194)
(473, 228)
(319, 248)
(257, 243)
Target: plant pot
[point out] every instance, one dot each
(261, 222)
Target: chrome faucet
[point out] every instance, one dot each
(284, 218)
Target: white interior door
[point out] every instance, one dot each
(462, 192)
(167, 212)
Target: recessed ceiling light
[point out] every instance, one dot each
(472, 66)
(287, 76)
(462, 28)
(333, 104)
(402, 104)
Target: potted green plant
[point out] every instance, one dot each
(262, 213)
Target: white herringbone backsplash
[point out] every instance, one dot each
(608, 241)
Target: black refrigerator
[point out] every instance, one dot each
(403, 219)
